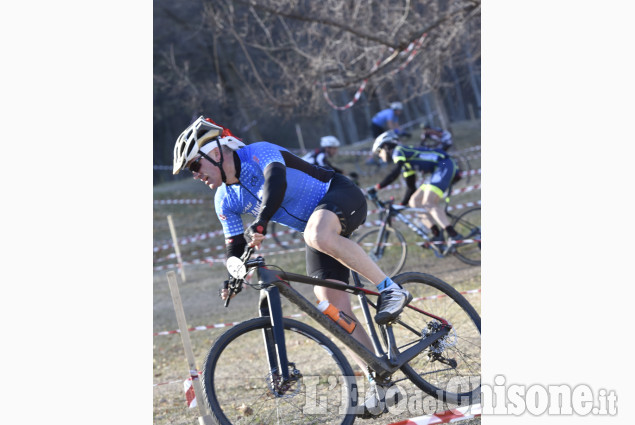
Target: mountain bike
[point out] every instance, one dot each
(387, 246)
(273, 369)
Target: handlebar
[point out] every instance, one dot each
(373, 197)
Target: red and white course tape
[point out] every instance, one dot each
(190, 395)
(452, 415)
(225, 325)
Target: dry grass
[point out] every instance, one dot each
(199, 292)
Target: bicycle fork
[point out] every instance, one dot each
(275, 347)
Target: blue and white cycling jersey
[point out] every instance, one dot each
(306, 186)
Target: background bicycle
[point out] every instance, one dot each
(274, 370)
(389, 248)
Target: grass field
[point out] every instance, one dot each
(199, 292)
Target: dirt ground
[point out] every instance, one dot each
(199, 292)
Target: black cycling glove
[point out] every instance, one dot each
(258, 226)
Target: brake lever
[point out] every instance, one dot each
(235, 287)
(229, 297)
(247, 254)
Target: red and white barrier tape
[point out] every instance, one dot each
(212, 260)
(229, 324)
(218, 248)
(190, 395)
(390, 186)
(224, 325)
(180, 201)
(452, 415)
(188, 239)
(412, 48)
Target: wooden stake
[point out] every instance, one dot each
(177, 250)
(298, 131)
(204, 419)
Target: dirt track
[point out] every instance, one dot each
(204, 308)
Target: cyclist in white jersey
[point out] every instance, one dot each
(270, 183)
(321, 156)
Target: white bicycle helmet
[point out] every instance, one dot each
(385, 140)
(329, 142)
(198, 137)
(396, 106)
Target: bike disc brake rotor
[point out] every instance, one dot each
(284, 389)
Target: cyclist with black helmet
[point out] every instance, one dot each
(436, 137)
(408, 160)
(328, 149)
(272, 184)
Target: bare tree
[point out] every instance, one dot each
(287, 54)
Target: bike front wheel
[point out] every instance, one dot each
(450, 368)
(468, 224)
(242, 388)
(389, 253)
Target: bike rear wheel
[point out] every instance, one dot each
(241, 388)
(450, 369)
(468, 224)
(464, 165)
(391, 254)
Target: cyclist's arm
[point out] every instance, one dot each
(332, 167)
(410, 188)
(391, 176)
(235, 246)
(273, 192)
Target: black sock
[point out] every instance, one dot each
(451, 231)
(435, 230)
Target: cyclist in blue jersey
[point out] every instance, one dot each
(408, 160)
(387, 119)
(272, 184)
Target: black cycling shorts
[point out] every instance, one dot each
(347, 201)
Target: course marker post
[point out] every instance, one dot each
(204, 419)
(177, 250)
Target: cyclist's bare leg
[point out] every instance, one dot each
(431, 202)
(322, 232)
(416, 201)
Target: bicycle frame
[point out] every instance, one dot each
(275, 284)
(397, 212)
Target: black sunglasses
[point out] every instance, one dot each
(195, 165)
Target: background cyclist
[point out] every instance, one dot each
(408, 160)
(270, 183)
(436, 137)
(328, 149)
(387, 119)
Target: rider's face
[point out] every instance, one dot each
(385, 155)
(208, 173)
